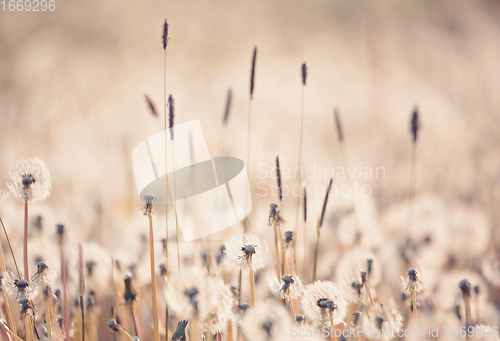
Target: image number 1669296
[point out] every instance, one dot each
(28, 5)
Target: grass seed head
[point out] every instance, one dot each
(252, 72)
(151, 105)
(304, 73)
(415, 124)
(164, 36)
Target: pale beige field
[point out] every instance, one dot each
(72, 85)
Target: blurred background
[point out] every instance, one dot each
(72, 85)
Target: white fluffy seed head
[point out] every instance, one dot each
(30, 180)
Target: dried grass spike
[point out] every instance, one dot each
(304, 74)
(278, 178)
(325, 203)
(415, 124)
(171, 115)
(305, 202)
(151, 105)
(164, 37)
(336, 116)
(252, 73)
(228, 106)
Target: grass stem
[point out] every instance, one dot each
(153, 279)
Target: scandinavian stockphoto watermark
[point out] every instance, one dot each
(432, 332)
(349, 181)
(208, 193)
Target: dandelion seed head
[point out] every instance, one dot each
(290, 286)
(196, 295)
(323, 302)
(414, 282)
(267, 321)
(30, 180)
(238, 254)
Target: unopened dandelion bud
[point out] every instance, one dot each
(356, 316)
(130, 294)
(363, 278)
(163, 270)
(243, 307)
(113, 326)
(476, 289)
(465, 286)
(60, 230)
(289, 237)
(180, 332)
(90, 268)
(379, 320)
(369, 263)
(299, 319)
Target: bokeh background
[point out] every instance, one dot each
(72, 85)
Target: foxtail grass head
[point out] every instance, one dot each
(130, 294)
(171, 115)
(325, 202)
(252, 72)
(304, 197)
(227, 109)
(415, 125)
(151, 106)
(304, 73)
(278, 178)
(338, 125)
(164, 36)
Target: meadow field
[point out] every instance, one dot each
(381, 218)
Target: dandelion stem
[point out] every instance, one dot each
(134, 322)
(28, 328)
(278, 274)
(252, 281)
(414, 303)
(290, 303)
(126, 334)
(153, 279)
(10, 247)
(25, 245)
(64, 278)
(284, 263)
